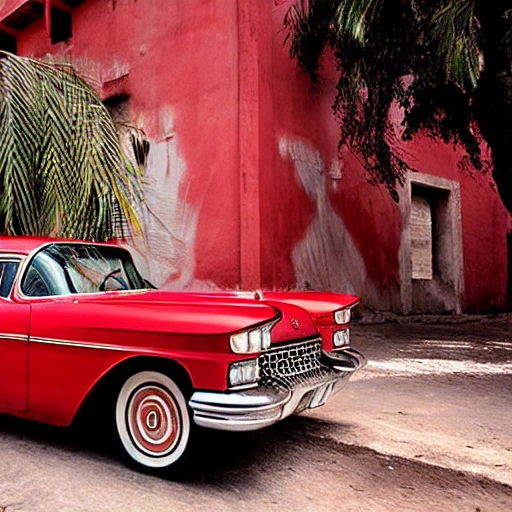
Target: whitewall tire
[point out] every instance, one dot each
(152, 420)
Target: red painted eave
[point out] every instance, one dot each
(19, 14)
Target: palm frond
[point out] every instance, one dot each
(453, 36)
(353, 19)
(307, 26)
(422, 55)
(61, 163)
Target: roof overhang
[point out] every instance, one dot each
(16, 15)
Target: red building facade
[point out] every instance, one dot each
(244, 183)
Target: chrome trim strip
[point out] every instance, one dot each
(242, 411)
(16, 337)
(347, 359)
(11, 256)
(235, 425)
(238, 403)
(78, 296)
(99, 346)
(243, 387)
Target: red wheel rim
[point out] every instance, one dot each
(153, 420)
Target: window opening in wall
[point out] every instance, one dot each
(134, 141)
(119, 108)
(60, 26)
(8, 43)
(422, 257)
(431, 232)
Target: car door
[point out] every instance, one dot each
(14, 319)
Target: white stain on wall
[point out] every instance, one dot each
(170, 222)
(326, 258)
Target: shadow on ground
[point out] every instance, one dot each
(217, 456)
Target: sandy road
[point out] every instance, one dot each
(438, 393)
(424, 427)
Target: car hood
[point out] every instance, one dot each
(189, 313)
(295, 308)
(316, 303)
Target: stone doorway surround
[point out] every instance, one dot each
(444, 292)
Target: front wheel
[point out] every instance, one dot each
(152, 421)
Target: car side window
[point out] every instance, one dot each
(8, 271)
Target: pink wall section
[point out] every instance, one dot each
(244, 172)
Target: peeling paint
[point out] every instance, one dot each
(170, 222)
(326, 258)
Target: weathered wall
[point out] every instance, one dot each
(244, 182)
(484, 223)
(178, 63)
(328, 228)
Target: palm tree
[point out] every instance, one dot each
(448, 64)
(62, 169)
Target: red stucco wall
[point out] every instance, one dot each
(180, 56)
(245, 174)
(373, 221)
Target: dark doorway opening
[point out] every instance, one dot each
(61, 24)
(432, 251)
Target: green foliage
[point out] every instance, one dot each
(62, 170)
(425, 56)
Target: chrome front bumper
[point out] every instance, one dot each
(259, 407)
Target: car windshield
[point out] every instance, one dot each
(62, 269)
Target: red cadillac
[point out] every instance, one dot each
(78, 321)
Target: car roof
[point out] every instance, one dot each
(26, 244)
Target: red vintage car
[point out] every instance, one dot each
(79, 321)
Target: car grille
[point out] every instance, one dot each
(292, 365)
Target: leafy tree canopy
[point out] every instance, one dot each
(62, 169)
(447, 63)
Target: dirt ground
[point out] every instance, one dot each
(424, 427)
